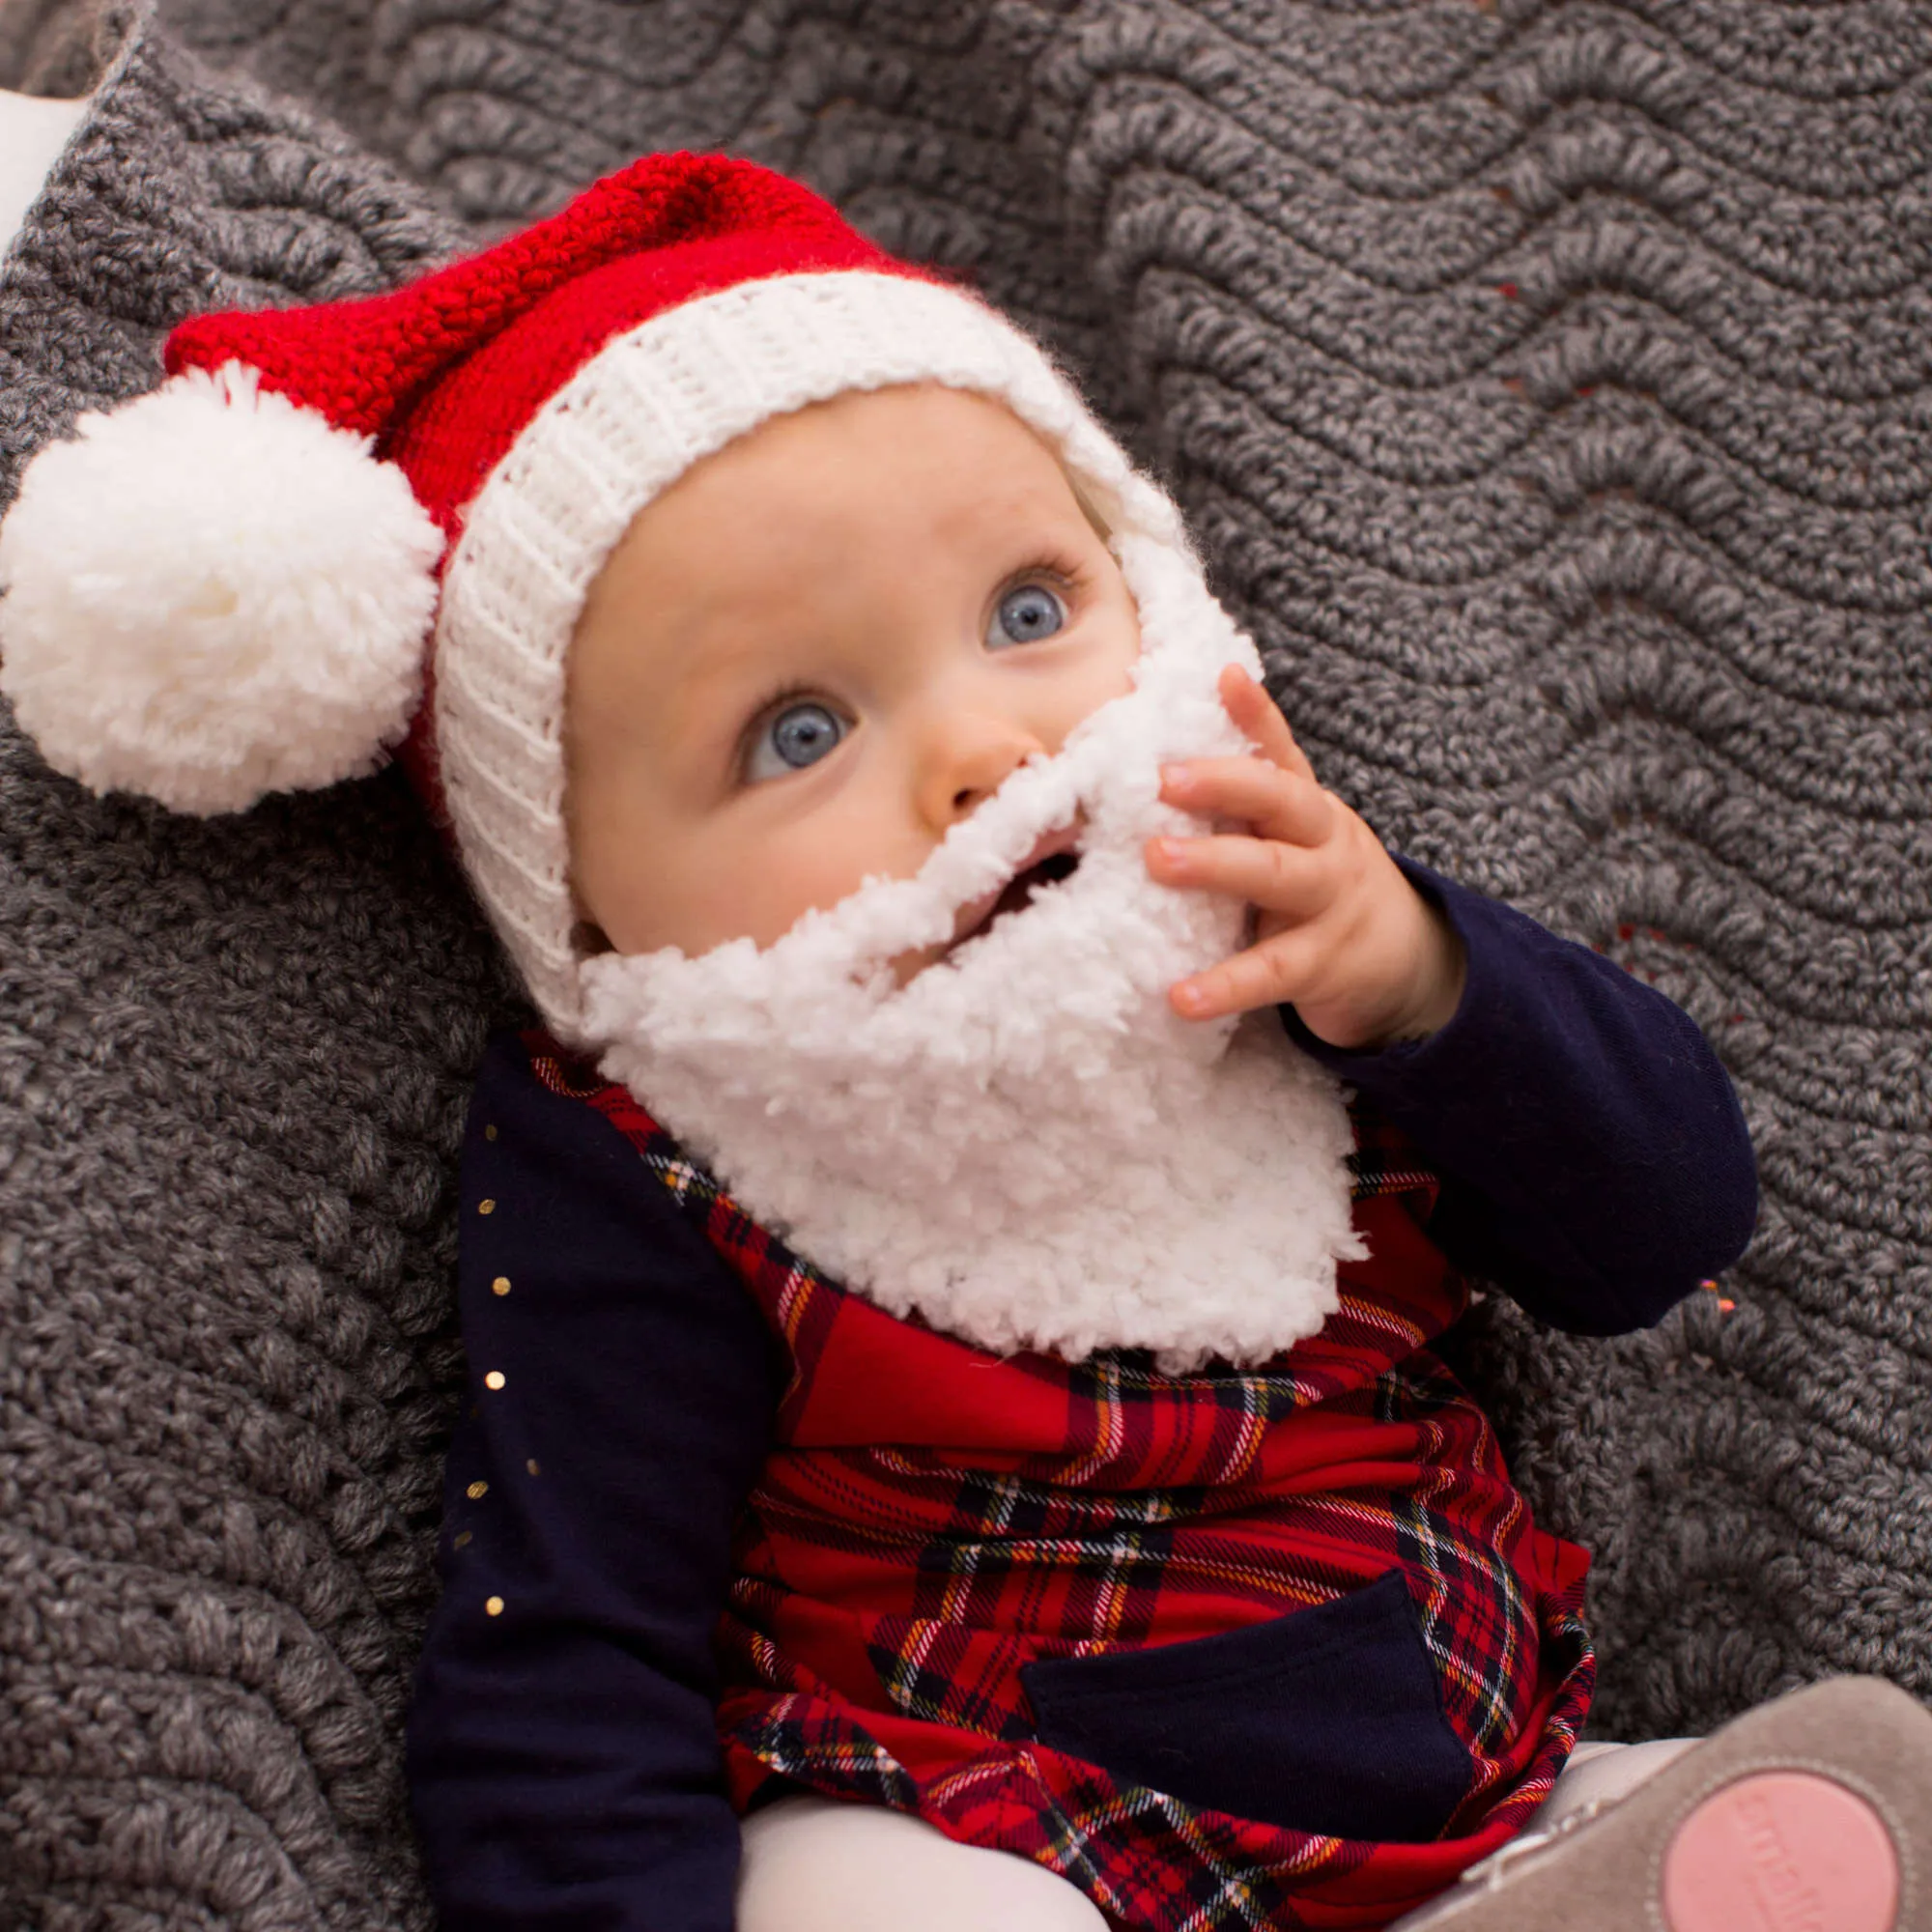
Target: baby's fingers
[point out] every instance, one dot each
(1278, 804)
(1267, 973)
(1286, 880)
(1258, 715)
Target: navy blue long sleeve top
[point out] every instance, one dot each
(563, 1767)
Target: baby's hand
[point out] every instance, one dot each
(1339, 933)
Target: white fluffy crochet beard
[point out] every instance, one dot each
(1024, 1147)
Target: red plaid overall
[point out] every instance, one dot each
(932, 1518)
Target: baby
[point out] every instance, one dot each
(953, 1404)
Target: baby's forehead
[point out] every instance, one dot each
(867, 485)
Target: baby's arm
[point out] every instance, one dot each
(562, 1756)
(1596, 1161)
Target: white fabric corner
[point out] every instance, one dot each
(33, 133)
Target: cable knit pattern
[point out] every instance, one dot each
(1549, 385)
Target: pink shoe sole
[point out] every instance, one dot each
(1779, 1851)
(1810, 1814)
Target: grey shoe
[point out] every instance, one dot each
(1810, 1814)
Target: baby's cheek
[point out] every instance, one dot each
(781, 882)
(1110, 676)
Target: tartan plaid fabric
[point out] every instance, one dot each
(932, 1518)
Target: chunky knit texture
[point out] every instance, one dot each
(234, 1063)
(1549, 388)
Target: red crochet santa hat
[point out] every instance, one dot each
(338, 530)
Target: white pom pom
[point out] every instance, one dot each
(213, 594)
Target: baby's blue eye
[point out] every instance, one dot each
(1025, 615)
(799, 735)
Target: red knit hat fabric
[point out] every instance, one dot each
(446, 373)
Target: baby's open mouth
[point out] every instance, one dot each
(1017, 894)
(1048, 873)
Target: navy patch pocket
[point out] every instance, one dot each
(1326, 1719)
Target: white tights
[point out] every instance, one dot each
(814, 1865)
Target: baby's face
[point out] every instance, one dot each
(819, 650)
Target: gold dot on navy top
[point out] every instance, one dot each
(493, 1380)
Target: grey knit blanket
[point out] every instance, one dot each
(1550, 386)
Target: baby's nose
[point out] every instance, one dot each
(977, 757)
